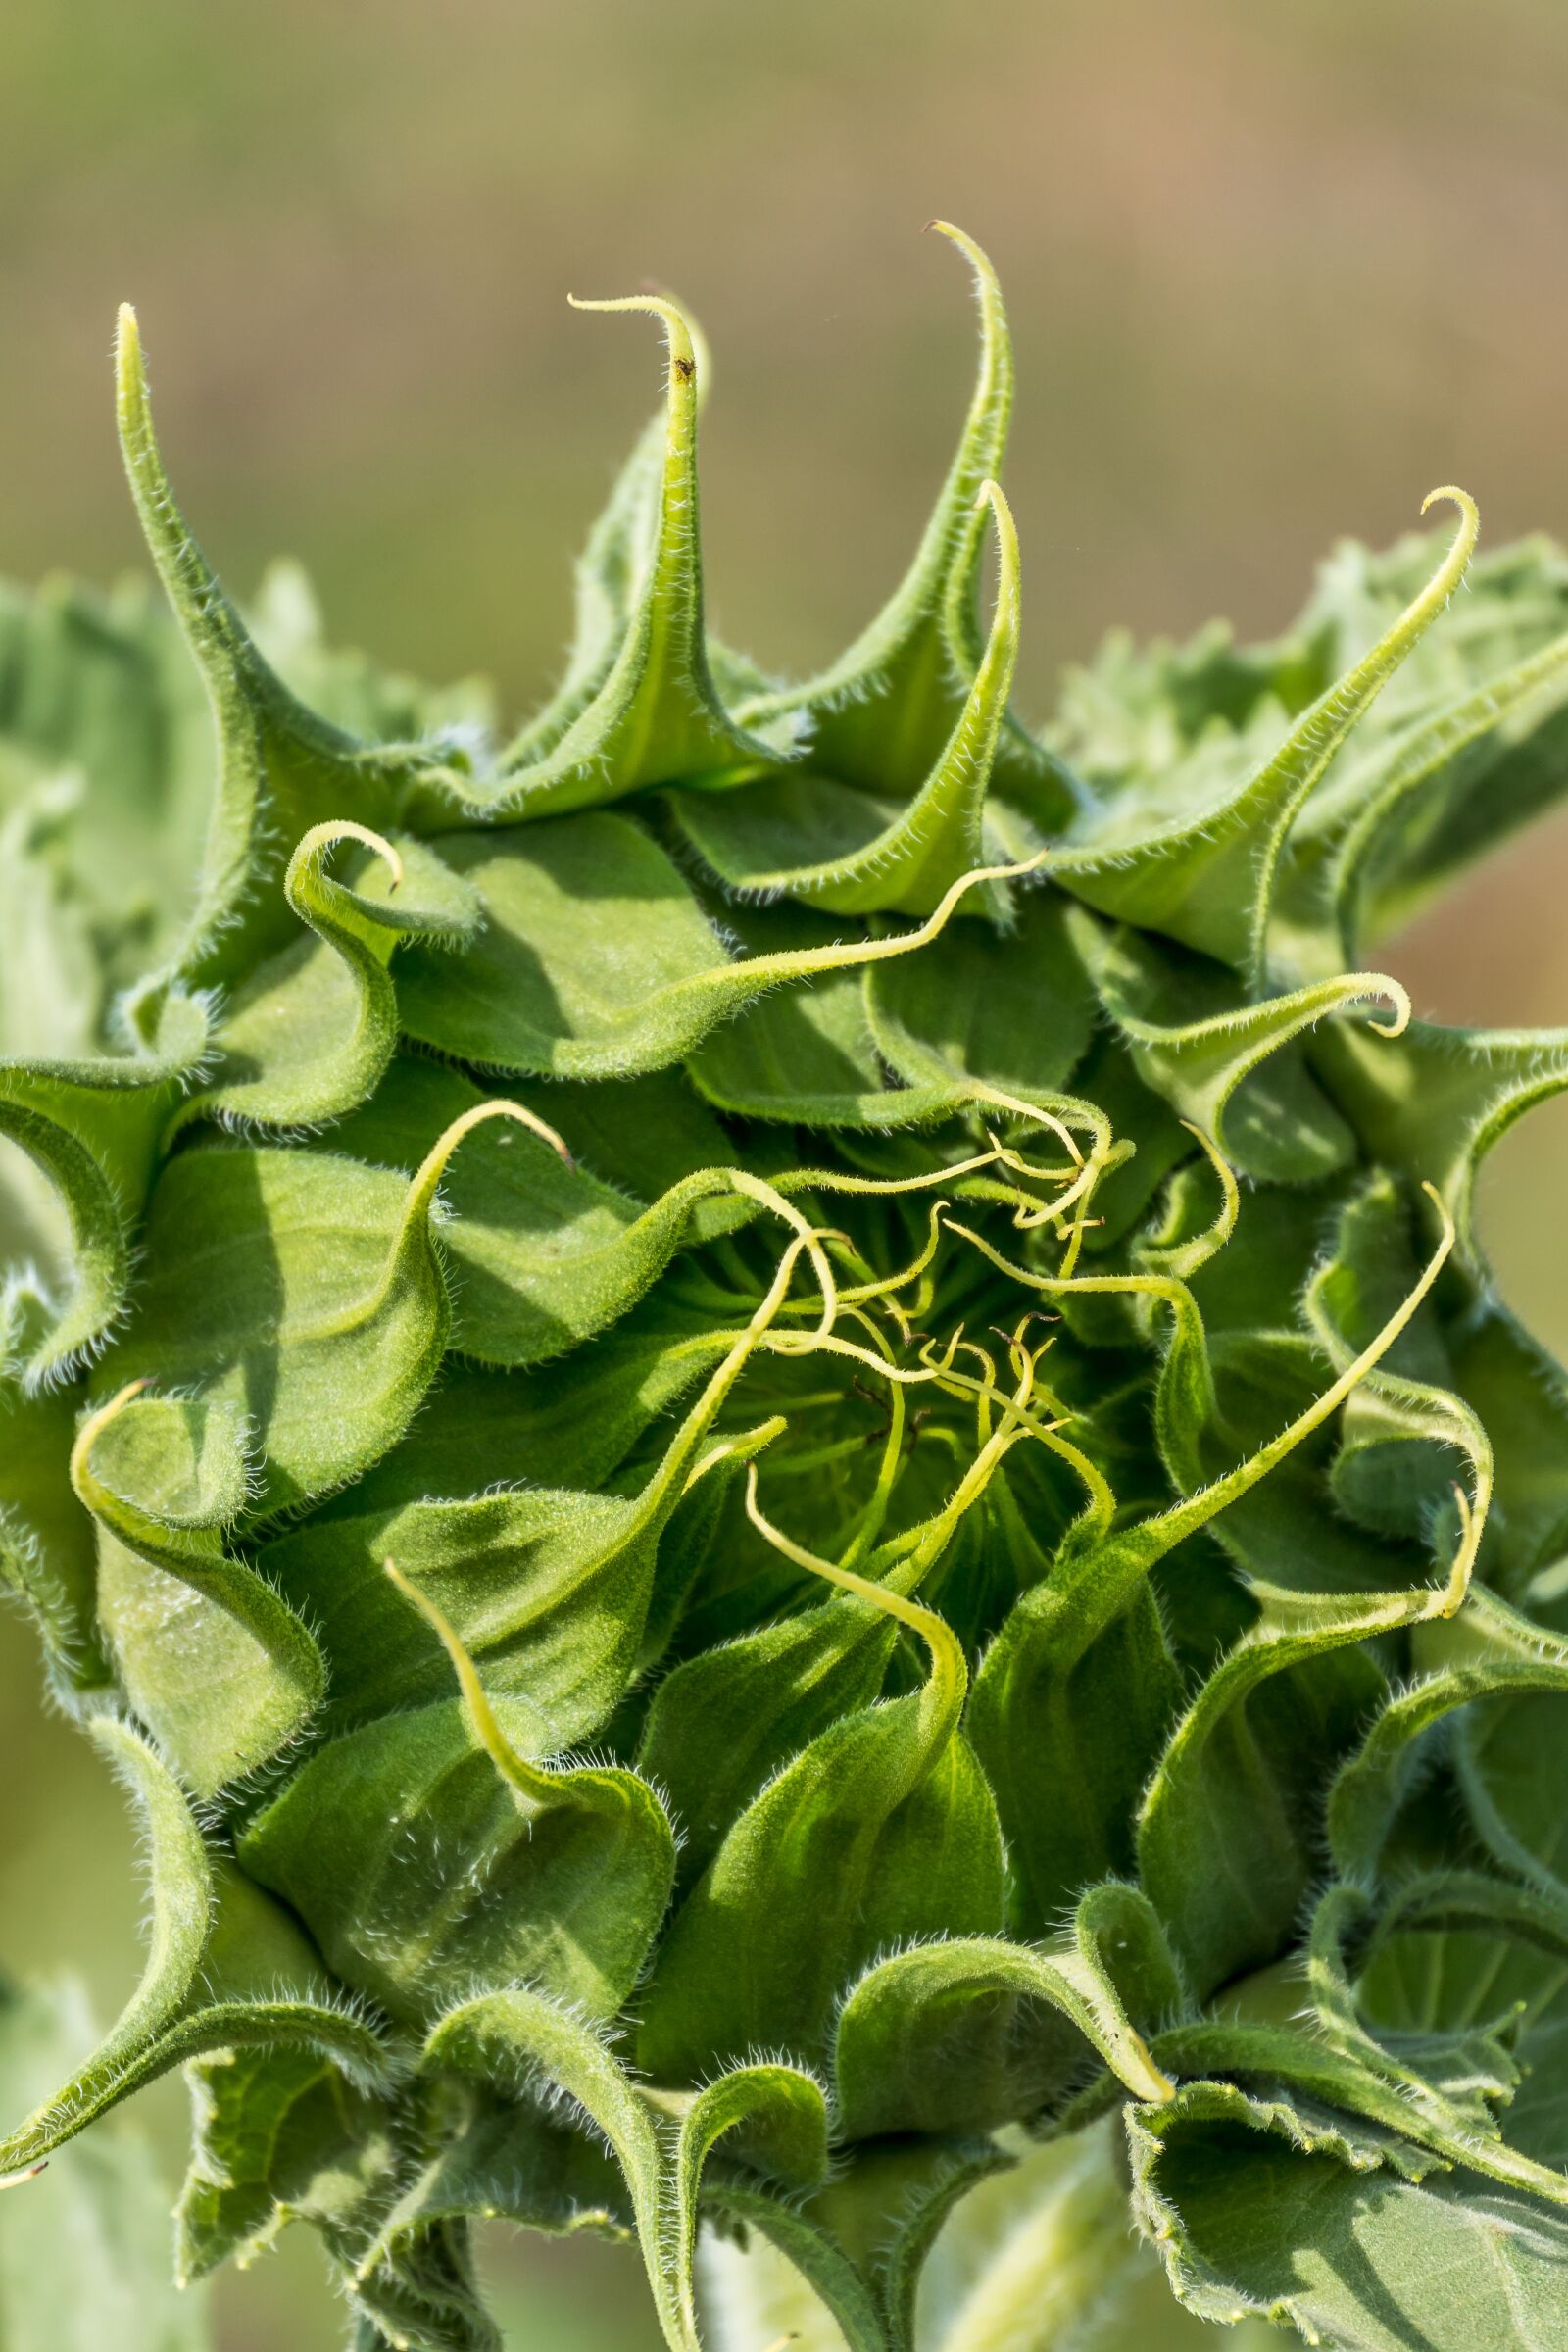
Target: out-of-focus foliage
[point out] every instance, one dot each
(87, 2264)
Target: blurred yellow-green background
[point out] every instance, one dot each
(1274, 270)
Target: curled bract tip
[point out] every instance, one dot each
(321, 838)
(1460, 498)
(1455, 564)
(419, 1200)
(98, 1421)
(992, 497)
(501, 1107)
(1400, 998)
(677, 333)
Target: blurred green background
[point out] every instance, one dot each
(1274, 271)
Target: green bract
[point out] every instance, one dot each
(769, 1432)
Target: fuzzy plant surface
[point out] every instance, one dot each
(767, 1430)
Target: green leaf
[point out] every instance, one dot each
(1228, 1830)
(503, 2159)
(768, 2120)
(831, 2281)
(282, 769)
(224, 1967)
(93, 1127)
(46, 1545)
(596, 960)
(1508, 1754)
(82, 2250)
(1519, 1391)
(878, 716)
(216, 1665)
(1434, 1104)
(99, 705)
(1367, 852)
(1340, 2080)
(1451, 1944)
(891, 2210)
(1450, 2074)
(309, 1033)
(51, 987)
(1373, 1785)
(1206, 876)
(1404, 1422)
(654, 716)
(722, 1723)
(1055, 1677)
(340, 2167)
(1225, 1065)
(304, 1291)
(549, 1589)
(543, 1254)
(605, 580)
(809, 1055)
(1011, 1009)
(1259, 2208)
(524, 2044)
(1087, 1647)
(460, 1861)
(977, 2032)
(279, 2135)
(881, 1830)
(581, 1417)
(861, 852)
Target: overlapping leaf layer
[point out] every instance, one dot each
(769, 1433)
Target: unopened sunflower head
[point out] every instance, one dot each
(767, 1426)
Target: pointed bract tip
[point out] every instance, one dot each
(127, 344)
(28, 2172)
(122, 1396)
(1441, 1206)
(974, 253)
(1398, 997)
